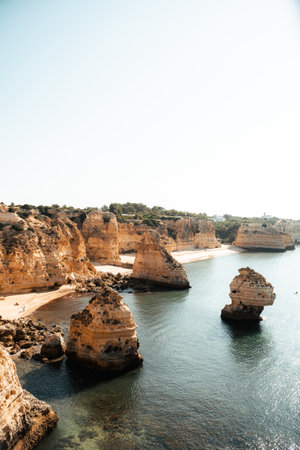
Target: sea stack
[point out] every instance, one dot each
(24, 420)
(103, 335)
(154, 264)
(249, 293)
(263, 237)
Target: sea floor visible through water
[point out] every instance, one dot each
(204, 383)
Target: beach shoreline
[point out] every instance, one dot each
(21, 305)
(18, 306)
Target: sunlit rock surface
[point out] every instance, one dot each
(24, 420)
(249, 293)
(255, 236)
(153, 263)
(103, 335)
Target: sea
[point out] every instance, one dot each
(204, 384)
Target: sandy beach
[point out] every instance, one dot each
(21, 305)
(183, 257)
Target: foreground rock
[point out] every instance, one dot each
(153, 263)
(103, 335)
(255, 236)
(24, 420)
(25, 337)
(249, 293)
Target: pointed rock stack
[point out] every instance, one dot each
(24, 420)
(249, 293)
(103, 335)
(154, 264)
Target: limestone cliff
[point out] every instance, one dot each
(176, 234)
(189, 234)
(249, 293)
(254, 236)
(291, 227)
(40, 252)
(100, 232)
(154, 263)
(103, 335)
(24, 420)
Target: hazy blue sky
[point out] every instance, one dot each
(188, 104)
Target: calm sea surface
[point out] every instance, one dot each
(204, 383)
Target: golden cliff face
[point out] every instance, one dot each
(40, 253)
(155, 264)
(24, 420)
(176, 235)
(253, 236)
(103, 335)
(291, 227)
(249, 293)
(100, 232)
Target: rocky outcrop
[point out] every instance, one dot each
(100, 232)
(176, 234)
(40, 252)
(24, 420)
(103, 335)
(254, 236)
(249, 293)
(291, 227)
(54, 347)
(153, 263)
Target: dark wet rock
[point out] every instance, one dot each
(54, 347)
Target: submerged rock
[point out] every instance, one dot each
(249, 293)
(24, 420)
(153, 263)
(103, 335)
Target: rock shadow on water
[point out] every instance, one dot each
(64, 379)
(250, 342)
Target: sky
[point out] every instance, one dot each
(192, 105)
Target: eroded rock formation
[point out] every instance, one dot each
(24, 420)
(176, 235)
(100, 232)
(155, 264)
(103, 335)
(254, 236)
(249, 293)
(40, 252)
(291, 227)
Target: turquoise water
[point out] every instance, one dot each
(204, 383)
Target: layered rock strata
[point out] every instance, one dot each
(103, 335)
(176, 235)
(24, 420)
(100, 232)
(39, 252)
(249, 293)
(153, 263)
(254, 236)
(291, 227)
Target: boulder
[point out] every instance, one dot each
(103, 335)
(54, 346)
